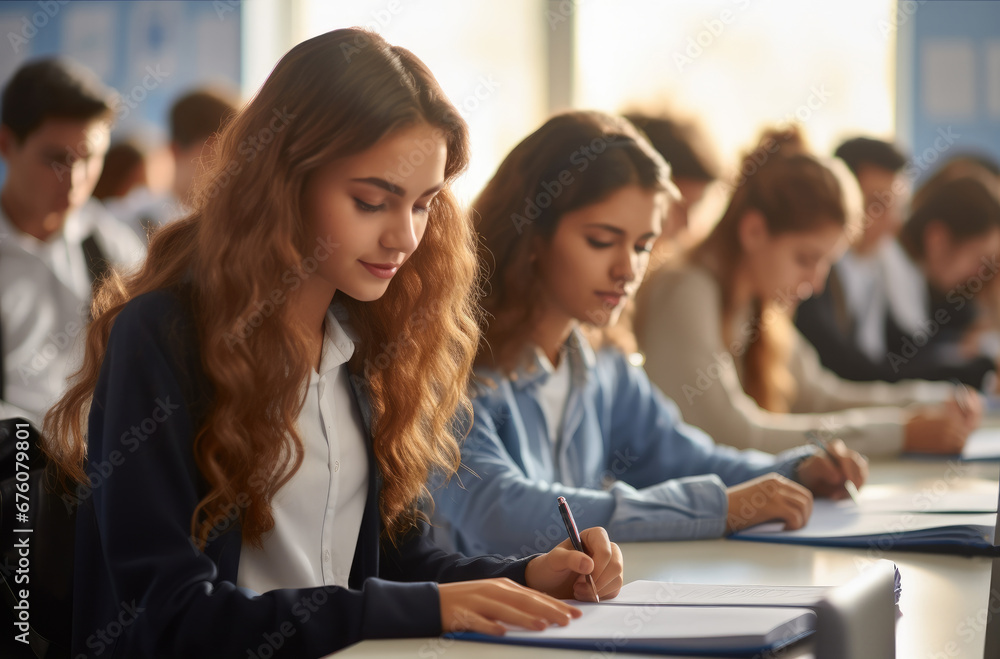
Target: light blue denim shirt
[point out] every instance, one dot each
(624, 460)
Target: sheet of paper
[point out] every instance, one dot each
(672, 623)
(687, 594)
(983, 444)
(831, 519)
(970, 496)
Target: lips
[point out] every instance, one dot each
(381, 270)
(610, 298)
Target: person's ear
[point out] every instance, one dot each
(752, 231)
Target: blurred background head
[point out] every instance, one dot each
(55, 127)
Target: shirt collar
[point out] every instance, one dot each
(536, 368)
(78, 225)
(338, 345)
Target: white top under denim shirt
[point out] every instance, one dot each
(625, 461)
(317, 513)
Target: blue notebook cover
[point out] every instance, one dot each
(673, 630)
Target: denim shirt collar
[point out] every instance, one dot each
(535, 368)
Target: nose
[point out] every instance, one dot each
(403, 232)
(820, 275)
(626, 266)
(76, 178)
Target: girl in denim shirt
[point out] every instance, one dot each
(566, 226)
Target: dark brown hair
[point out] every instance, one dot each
(53, 88)
(199, 114)
(964, 206)
(574, 160)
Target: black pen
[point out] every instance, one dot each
(574, 537)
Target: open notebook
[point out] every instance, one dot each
(850, 620)
(961, 521)
(688, 630)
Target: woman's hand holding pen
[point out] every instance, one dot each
(562, 572)
(826, 476)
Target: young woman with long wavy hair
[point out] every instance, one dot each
(717, 334)
(566, 226)
(266, 398)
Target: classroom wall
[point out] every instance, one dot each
(948, 79)
(151, 52)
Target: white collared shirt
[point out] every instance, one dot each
(863, 280)
(553, 394)
(317, 513)
(45, 301)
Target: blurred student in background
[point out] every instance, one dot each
(871, 320)
(55, 241)
(693, 168)
(717, 333)
(195, 120)
(558, 408)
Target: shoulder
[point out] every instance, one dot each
(162, 317)
(158, 331)
(685, 284)
(121, 244)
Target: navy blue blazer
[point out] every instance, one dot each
(142, 588)
(825, 321)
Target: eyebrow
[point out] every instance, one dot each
(393, 188)
(620, 232)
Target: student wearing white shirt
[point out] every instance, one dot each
(54, 240)
(878, 298)
(269, 394)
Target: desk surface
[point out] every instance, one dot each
(943, 600)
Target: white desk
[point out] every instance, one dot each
(943, 601)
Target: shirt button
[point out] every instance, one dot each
(326, 554)
(336, 465)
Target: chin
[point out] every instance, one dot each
(365, 293)
(600, 317)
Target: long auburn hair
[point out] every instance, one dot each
(329, 97)
(522, 205)
(794, 192)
